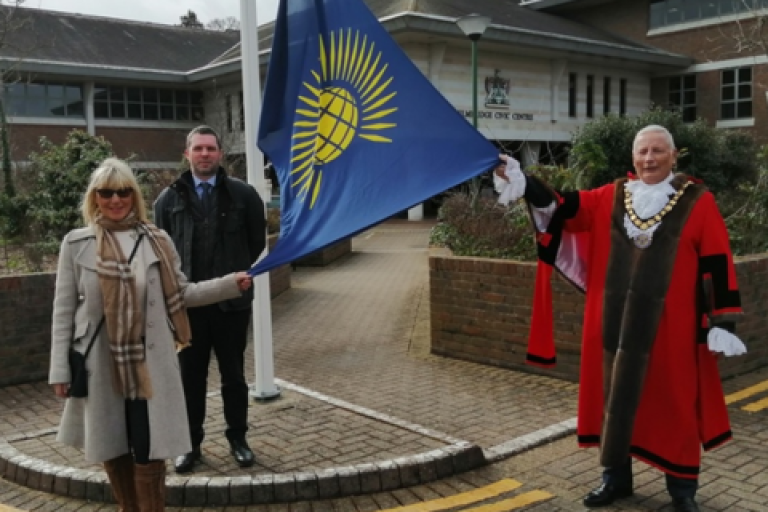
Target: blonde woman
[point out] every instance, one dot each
(134, 309)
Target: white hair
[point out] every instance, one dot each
(655, 128)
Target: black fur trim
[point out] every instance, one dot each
(717, 266)
(541, 361)
(717, 441)
(664, 463)
(593, 439)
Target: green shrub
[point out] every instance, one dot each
(479, 226)
(727, 161)
(723, 159)
(471, 225)
(745, 209)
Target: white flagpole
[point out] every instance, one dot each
(264, 386)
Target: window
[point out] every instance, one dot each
(147, 103)
(736, 93)
(670, 12)
(590, 96)
(606, 95)
(623, 97)
(682, 96)
(43, 99)
(572, 94)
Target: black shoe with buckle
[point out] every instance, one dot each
(242, 452)
(605, 495)
(685, 505)
(186, 462)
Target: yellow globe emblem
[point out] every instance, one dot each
(346, 103)
(338, 124)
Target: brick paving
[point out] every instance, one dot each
(368, 420)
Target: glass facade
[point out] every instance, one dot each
(43, 99)
(147, 103)
(671, 12)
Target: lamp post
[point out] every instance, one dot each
(473, 26)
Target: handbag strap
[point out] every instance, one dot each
(101, 322)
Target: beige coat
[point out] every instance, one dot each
(77, 309)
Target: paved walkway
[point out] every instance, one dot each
(369, 420)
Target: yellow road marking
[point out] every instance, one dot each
(756, 406)
(747, 392)
(464, 498)
(6, 508)
(513, 503)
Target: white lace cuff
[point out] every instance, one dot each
(513, 189)
(720, 340)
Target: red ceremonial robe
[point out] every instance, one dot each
(660, 396)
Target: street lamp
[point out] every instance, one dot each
(473, 26)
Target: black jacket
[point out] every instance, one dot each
(241, 234)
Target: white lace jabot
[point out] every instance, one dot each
(647, 201)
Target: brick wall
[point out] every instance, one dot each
(149, 145)
(25, 138)
(26, 306)
(480, 311)
(629, 18)
(25, 327)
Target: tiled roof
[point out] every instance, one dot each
(76, 38)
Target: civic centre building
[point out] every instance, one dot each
(544, 68)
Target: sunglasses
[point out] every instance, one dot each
(107, 193)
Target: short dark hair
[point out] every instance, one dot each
(203, 130)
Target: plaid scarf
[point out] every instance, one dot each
(124, 316)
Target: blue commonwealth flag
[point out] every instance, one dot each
(355, 131)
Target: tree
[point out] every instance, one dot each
(223, 24)
(190, 20)
(747, 36)
(12, 20)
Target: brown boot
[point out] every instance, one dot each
(120, 473)
(150, 486)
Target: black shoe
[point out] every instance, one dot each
(242, 452)
(685, 505)
(186, 462)
(605, 495)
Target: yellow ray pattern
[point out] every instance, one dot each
(347, 100)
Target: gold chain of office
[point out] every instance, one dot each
(645, 224)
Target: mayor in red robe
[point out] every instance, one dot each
(653, 257)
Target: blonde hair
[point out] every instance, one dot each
(112, 173)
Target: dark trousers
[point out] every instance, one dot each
(137, 421)
(226, 335)
(621, 476)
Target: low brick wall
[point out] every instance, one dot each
(280, 277)
(480, 311)
(326, 256)
(26, 306)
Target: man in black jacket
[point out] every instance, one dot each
(217, 224)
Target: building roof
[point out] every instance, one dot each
(81, 45)
(512, 24)
(100, 41)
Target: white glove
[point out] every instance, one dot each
(513, 187)
(720, 340)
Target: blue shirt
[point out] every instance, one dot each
(198, 188)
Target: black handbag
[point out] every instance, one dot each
(78, 384)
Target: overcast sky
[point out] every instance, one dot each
(158, 11)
